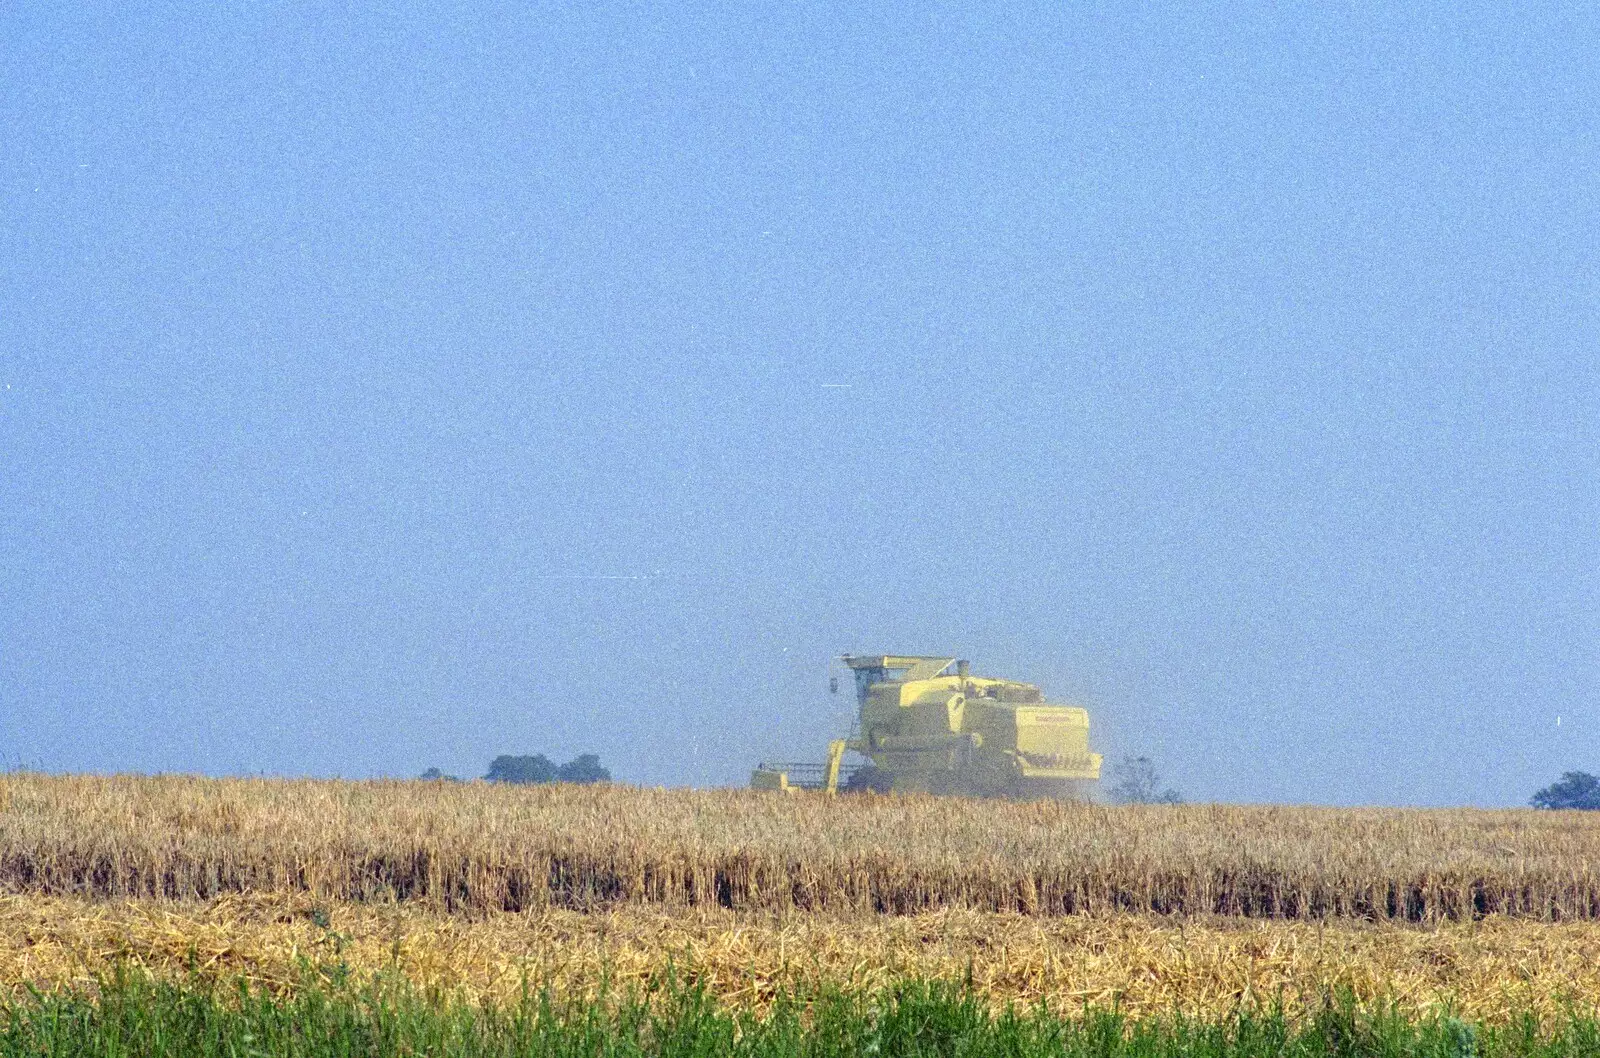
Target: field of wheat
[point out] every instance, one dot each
(475, 847)
(482, 889)
(1493, 972)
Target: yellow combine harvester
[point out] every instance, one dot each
(928, 725)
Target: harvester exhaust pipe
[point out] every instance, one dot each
(962, 668)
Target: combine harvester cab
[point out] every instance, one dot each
(927, 725)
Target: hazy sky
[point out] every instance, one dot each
(403, 387)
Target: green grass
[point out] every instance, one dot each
(132, 1016)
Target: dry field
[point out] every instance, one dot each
(474, 847)
(1492, 971)
(479, 888)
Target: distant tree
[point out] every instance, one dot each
(584, 768)
(1138, 783)
(535, 769)
(435, 775)
(1575, 789)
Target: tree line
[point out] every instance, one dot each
(1137, 780)
(584, 768)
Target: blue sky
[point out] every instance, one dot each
(401, 387)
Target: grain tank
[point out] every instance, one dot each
(928, 725)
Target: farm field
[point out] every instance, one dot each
(477, 847)
(132, 1016)
(475, 894)
(1493, 971)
